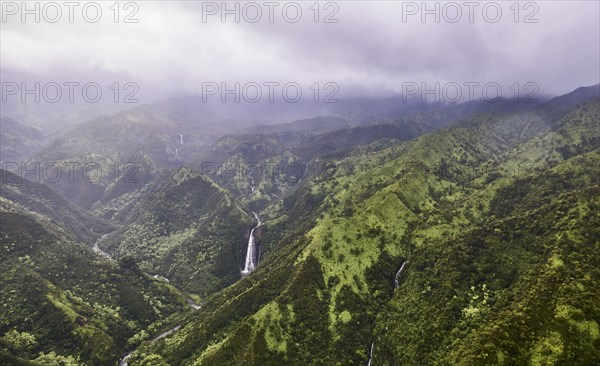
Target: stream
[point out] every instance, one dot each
(99, 251)
(249, 266)
(191, 303)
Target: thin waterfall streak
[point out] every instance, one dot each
(398, 274)
(371, 354)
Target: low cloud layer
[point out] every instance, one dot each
(371, 50)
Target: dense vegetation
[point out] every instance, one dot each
(188, 230)
(496, 219)
(61, 300)
(455, 235)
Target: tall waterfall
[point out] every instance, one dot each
(250, 252)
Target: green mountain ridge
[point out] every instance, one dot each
(39, 199)
(61, 301)
(187, 229)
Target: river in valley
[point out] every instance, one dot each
(249, 266)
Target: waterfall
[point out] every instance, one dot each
(181, 139)
(398, 274)
(371, 354)
(395, 286)
(250, 264)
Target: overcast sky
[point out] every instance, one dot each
(370, 51)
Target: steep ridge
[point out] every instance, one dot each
(42, 200)
(188, 230)
(262, 168)
(120, 154)
(18, 140)
(64, 303)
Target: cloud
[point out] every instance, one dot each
(370, 51)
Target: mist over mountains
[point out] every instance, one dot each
(299, 183)
(355, 207)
